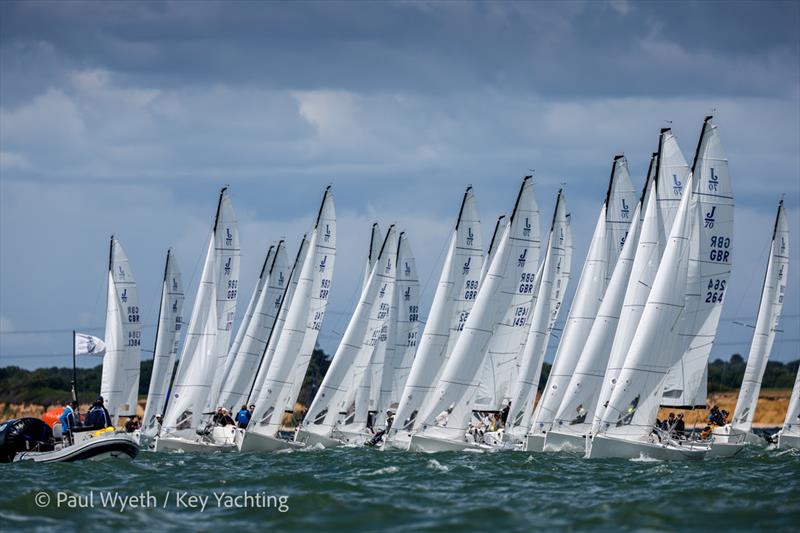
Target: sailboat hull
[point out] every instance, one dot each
(721, 450)
(255, 442)
(184, 445)
(421, 443)
(310, 438)
(534, 443)
(788, 441)
(564, 442)
(605, 447)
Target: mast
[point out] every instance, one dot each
(610, 179)
(158, 326)
(461, 209)
(519, 196)
(219, 207)
(74, 370)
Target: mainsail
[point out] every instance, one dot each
(583, 389)
(168, 333)
(510, 276)
(500, 364)
(303, 323)
(119, 384)
(200, 356)
(769, 312)
(553, 276)
(658, 217)
(606, 244)
(452, 303)
(709, 270)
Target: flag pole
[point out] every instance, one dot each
(74, 370)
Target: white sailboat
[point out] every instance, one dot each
(304, 318)
(168, 334)
(606, 244)
(789, 435)
(324, 422)
(699, 245)
(769, 312)
(119, 385)
(552, 279)
(446, 422)
(668, 184)
(452, 303)
(573, 418)
(201, 355)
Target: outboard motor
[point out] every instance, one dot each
(22, 435)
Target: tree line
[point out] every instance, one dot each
(47, 386)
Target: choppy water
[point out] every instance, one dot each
(368, 490)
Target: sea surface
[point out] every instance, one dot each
(357, 489)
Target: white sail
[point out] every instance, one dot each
(200, 355)
(406, 322)
(281, 304)
(303, 323)
(769, 312)
(452, 303)
(606, 244)
(170, 323)
(248, 359)
(119, 384)
(500, 365)
(583, 389)
(511, 274)
(668, 183)
(657, 344)
(336, 392)
(709, 271)
(375, 243)
(250, 310)
(226, 243)
(791, 426)
(553, 276)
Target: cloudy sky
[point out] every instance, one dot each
(126, 118)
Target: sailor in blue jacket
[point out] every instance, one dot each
(69, 419)
(243, 417)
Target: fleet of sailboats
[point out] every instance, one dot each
(637, 336)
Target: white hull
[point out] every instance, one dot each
(721, 450)
(788, 441)
(181, 444)
(424, 444)
(91, 449)
(604, 447)
(310, 438)
(398, 442)
(564, 442)
(255, 442)
(533, 443)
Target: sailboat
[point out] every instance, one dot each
(206, 345)
(333, 417)
(769, 312)
(552, 279)
(573, 418)
(304, 317)
(604, 249)
(698, 252)
(789, 435)
(493, 320)
(452, 303)
(168, 334)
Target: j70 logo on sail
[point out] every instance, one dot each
(466, 265)
(124, 296)
(713, 181)
(677, 185)
(327, 235)
(228, 237)
(323, 264)
(522, 257)
(710, 217)
(526, 230)
(228, 266)
(470, 236)
(625, 211)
